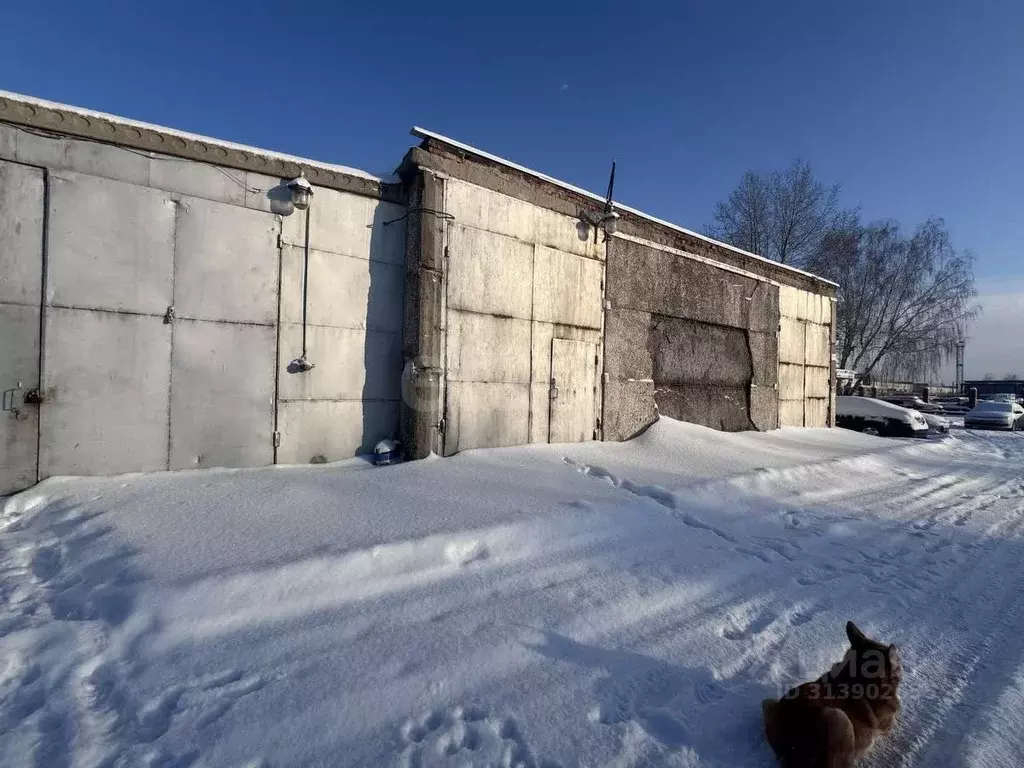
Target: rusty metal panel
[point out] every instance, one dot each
(488, 348)
(106, 393)
(567, 289)
(21, 234)
(111, 245)
(225, 263)
(19, 372)
(490, 273)
(574, 382)
(222, 395)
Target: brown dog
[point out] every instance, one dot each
(831, 722)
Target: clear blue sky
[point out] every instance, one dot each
(916, 108)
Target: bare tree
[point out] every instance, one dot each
(900, 298)
(988, 377)
(782, 216)
(743, 220)
(1010, 377)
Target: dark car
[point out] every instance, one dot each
(878, 417)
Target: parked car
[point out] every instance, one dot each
(936, 423)
(877, 417)
(995, 415)
(914, 403)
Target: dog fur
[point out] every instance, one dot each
(832, 721)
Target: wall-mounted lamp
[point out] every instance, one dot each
(302, 191)
(607, 219)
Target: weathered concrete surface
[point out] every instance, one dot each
(21, 234)
(222, 395)
(329, 430)
(106, 385)
(522, 288)
(111, 245)
(687, 340)
(19, 364)
(226, 263)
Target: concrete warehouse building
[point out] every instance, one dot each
(162, 292)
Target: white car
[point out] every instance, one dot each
(995, 415)
(876, 417)
(936, 423)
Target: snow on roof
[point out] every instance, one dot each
(423, 133)
(88, 113)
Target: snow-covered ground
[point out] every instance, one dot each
(583, 605)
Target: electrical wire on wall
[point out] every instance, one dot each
(302, 191)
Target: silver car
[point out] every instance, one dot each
(995, 415)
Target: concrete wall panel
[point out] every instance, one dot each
(567, 289)
(540, 405)
(629, 408)
(649, 279)
(111, 245)
(222, 395)
(225, 263)
(688, 352)
(351, 225)
(21, 234)
(351, 364)
(344, 291)
(106, 393)
(485, 348)
(333, 430)
(79, 156)
(8, 142)
(505, 215)
(486, 415)
(197, 180)
(490, 273)
(19, 364)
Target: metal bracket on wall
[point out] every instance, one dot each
(9, 398)
(169, 315)
(276, 437)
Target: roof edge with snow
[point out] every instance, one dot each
(427, 135)
(38, 114)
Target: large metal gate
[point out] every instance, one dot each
(140, 328)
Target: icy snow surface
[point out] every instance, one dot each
(576, 605)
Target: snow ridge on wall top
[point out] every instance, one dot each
(423, 133)
(88, 114)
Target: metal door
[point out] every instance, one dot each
(22, 203)
(573, 391)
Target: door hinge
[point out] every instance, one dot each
(169, 315)
(280, 240)
(441, 425)
(276, 436)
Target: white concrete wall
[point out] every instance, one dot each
(130, 235)
(517, 276)
(805, 354)
(350, 400)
